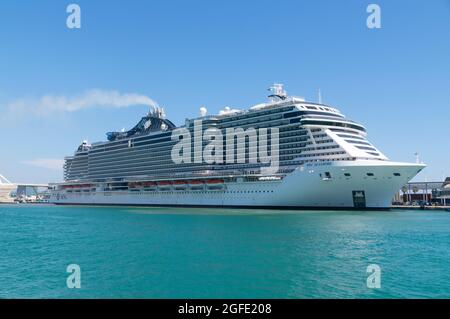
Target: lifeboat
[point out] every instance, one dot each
(80, 186)
(164, 185)
(180, 185)
(135, 186)
(215, 184)
(148, 186)
(196, 184)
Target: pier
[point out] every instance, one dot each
(428, 194)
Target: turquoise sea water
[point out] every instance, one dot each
(212, 253)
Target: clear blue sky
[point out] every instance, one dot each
(184, 54)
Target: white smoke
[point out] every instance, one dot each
(48, 104)
(48, 163)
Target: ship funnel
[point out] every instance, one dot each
(157, 111)
(153, 109)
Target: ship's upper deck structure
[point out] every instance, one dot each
(308, 132)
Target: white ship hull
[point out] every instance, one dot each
(303, 188)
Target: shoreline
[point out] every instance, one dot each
(410, 207)
(393, 207)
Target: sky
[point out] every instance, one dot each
(59, 86)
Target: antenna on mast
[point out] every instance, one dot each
(320, 97)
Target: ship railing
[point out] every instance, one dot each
(191, 175)
(209, 173)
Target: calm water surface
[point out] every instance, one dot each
(212, 253)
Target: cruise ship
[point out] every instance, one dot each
(286, 153)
